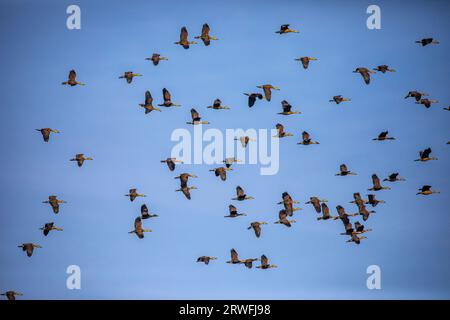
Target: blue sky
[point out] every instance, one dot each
(410, 237)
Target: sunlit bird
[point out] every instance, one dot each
(234, 257)
(425, 155)
(338, 99)
(138, 230)
(54, 203)
(326, 213)
(283, 219)
(196, 119)
(46, 133)
(29, 248)
(265, 263)
(206, 38)
(284, 28)
(72, 79)
(426, 190)
(129, 75)
(184, 42)
(168, 100)
(376, 184)
(287, 109)
(288, 203)
(49, 227)
(132, 194)
(267, 88)
(156, 58)
(365, 73)
(221, 172)
(256, 226)
(305, 61)
(148, 103)
(241, 195)
(80, 158)
(315, 201)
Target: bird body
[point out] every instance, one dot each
(217, 105)
(338, 99)
(167, 99)
(426, 41)
(233, 212)
(365, 73)
(384, 68)
(377, 185)
(138, 230)
(148, 103)
(281, 133)
(80, 158)
(29, 248)
(343, 171)
(49, 227)
(240, 195)
(196, 119)
(425, 155)
(205, 259)
(383, 136)
(171, 163)
(287, 109)
(306, 140)
(221, 172)
(426, 190)
(46, 133)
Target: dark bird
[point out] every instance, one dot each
(72, 81)
(46, 133)
(206, 38)
(344, 217)
(357, 199)
(168, 100)
(316, 203)
(148, 103)
(205, 259)
(427, 41)
(426, 190)
(80, 158)
(217, 105)
(448, 108)
(49, 227)
(171, 163)
(284, 28)
(249, 262)
(252, 98)
(427, 102)
(356, 239)
(383, 136)
(29, 247)
(196, 119)
(377, 185)
(184, 177)
(365, 73)
(283, 218)
(221, 172)
(11, 295)
(265, 263)
(256, 226)
(132, 194)
(425, 155)
(306, 140)
(326, 213)
(281, 133)
(287, 109)
(145, 214)
(383, 69)
(343, 171)
(240, 195)
(359, 228)
(156, 58)
(234, 257)
(129, 75)
(184, 42)
(233, 212)
(373, 201)
(416, 95)
(54, 203)
(267, 88)
(288, 203)
(393, 177)
(138, 230)
(338, 99)
(305, 61)
(364, 212)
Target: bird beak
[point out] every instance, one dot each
(313, 59)
(276, 88)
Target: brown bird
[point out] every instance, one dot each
(364, 212)
(284, 28)
(344, 216)
(427, 41)
(316, 203)
(305, 61)
(54, 203)
(356, 239)
(426, 190)
(171, 163)
(416, 95)
(365, 73)
(72, 81)
(234, 257)
(217, 105)
(343, 171)
(229, 161)
(11, 295)
(267, 88)
(49, 227)
(206, 38)
(184, 177)
(80, 158)
(265, 263)
(283, 219)
(233, 212)
(256, 226)
(129, 75)
(196, 119)
(448, 108)
(156, 58)
(249, 262)
(384, 68)
(168, 100)
(326, 213)
(383, 136)
(357, 199)
(205, 259)
(29, 247)
(393, 177)
(338, 99)
(288, 204)
(373, 201)
(186, 191)
(46, 133)
(133, 194)
(138, 230)
(244, 140)
(148, 103)
(427, 102)
(377, 185)
(287, 109)
(240, 195)
(221, 172)
(252, 98)
(281, 133)
(184, 42)
(306, 140)
(425, 155)
(145, 214)
(359, 228)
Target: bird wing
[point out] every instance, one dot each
(357, 196)
(186, 192)
(72, 75)
(257, 228)
(166, 95)
(264, 260)
(316, 204)
(376, 181)
(234, 255)
(232, 209)
(280, 129)
(282, 214)
(217, 103)
(305, 136)
(144, 210)
(148, 98)
(170, 164)
(183, 35)
(305, 62)
(222, 173)
(267, 93)
(383, 134)
(195, 116)
(239, 191)
(343, 168)
(286, 106)
(284, 27)
(205, 30)
(425, 153)
(366, 76)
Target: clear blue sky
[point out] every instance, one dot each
(410, 240)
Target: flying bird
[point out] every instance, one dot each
(132, 194)
(425, 155)
(221, 172)
(426, 190)
(376, 184)
(306, 140)
(145, 214)
(426, 41)
(184, 177)
(281, 133)
(287, 109)
(49, 227)
(373, 201)
(362, 210)
(427, 102)
(148, 103)
(252, 98)
(29, 248)
(167, 100)
(288, 203)
(54, 203)
(233, 212)
(265, 263)
(383, 136)
(356, 239)
(326, 213)
(171, 163)
(184, 42)
(338, 99)
(383, 69)
(283, 219)
(138, 230)
(315, 201)
(416, 95)
(11, 295)
(244, 140)
(284, 28)
(240, 195)
(206, 38)
(217, 105)
(46, 133)
(196, 119)
(365, 73)
(229, 161)
(80, 158)
(267, 88)
(394, 177)
(343, 171)
(72, 80)
(205, 259)
(156, 58)
(305, 61)
(234, 257)
(256, 226)
(129, 75)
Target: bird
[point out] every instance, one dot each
(359, 228)
(356, 239)
(383, 136)
(447, 108)
(72, 79)
(184, 177)
(234, 257)
(49, 227)
(357, 198)
(221, 172)
(196, 119)
(54, 203)
(376, 184)
(384, 68)
(80, 158)
(282, 219)
(364, 212)
(256, 226)
(240, 195)
(288, 203)
(265, 263)
(229, 161)
(426, 190)
(281, 133)
(186, 191)
(306, 140)
(156, 58)
(365, 73)
(217, 105)
(284, 28)
(129, 75)
(145, 214)
(11, 295)
(267, 88)
(427, 102)
(148, 103)
(244, 140)
(167, 100)
(394, 177)
(233, 212)
(344, 216)
(46, 133)
(29, 248)
(132, 194)
(205, 259)
(138, 230)
(425, 155)
(427, 41)
(252, 98)
(305, 61)
(287, 109)
(315, 201)
(171, 163)
(249, 262)
(338, 99)
(206, 38)
(373, 201)
(343, 171)
(416, 95)
(325, 213)
(184, 42)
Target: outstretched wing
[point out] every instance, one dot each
(234, 255)
(205, 30)
(232, 209)
(343, 168)
(183, 35)
(376, 181)
(72, 75)
(166, 95)
(239, 191)
(264, 260)
(305, 136)
(280, 129)
(195, 116)
(267, 93)
(286, 106)
(148, 98)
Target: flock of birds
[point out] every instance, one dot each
(353, 230)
